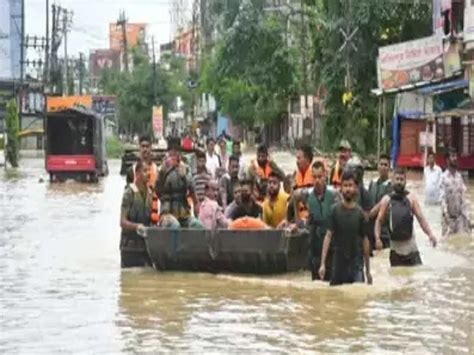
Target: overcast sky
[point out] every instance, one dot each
(92, 17)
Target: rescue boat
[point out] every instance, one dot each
(254, 251)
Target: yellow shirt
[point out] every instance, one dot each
(274, 212)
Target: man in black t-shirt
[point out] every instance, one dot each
(248, 206)
(347, 227)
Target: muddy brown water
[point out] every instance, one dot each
(62, 290)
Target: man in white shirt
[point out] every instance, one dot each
(213, 161)
(432, 180)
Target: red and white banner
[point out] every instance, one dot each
(410, 62)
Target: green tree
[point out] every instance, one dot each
(380, 23)
(252, 72)
(135, 90)
(12, 130)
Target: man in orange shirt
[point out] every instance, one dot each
(260, 170)
(303, 178)
(345, 152)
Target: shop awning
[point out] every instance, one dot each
(418, 86)
(436, 89)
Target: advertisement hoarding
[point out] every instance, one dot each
(157, 121)
(136, 33)
(101, 59)
(410, 62)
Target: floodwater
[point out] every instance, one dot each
(62, 289)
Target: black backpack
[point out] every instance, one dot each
(400, 217)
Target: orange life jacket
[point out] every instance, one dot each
(303, 181)
(337, 175)
(262, 173)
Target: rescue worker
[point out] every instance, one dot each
(453, 198)
(135, 214)
(347, 230)
(344, 155)
(400, 207)
(260, 170)
(276, 202)
(378, 188)
(174, 185)
(145, 155)
(303, 176)
(319, 201)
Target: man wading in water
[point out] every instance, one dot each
(135, 214)
(400, 206)
(347, 226)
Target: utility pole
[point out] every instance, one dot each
(81, 72)
(46, 54)
(22, 63)
(123, 23)
(303, 49)
(65, 62)
(154, 69)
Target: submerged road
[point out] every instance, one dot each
(62, 289)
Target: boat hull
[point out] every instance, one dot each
(255, 252)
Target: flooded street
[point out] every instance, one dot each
(62, 289)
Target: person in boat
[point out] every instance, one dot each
(248, 207)
(237, 151)
(303, 177)
(223, 156)
(378, 188)
(145, 155)
(319, 201)
(453, 198)
(201, 177)
(174, 186)
(276, 202)
(399, 208)
(288, 184)
(432, 180)
(227, 182)
(347, 230)
(213, 161)
(345, 151)
(237, 193)
(211, 215)
(260, 169)
(135, 214)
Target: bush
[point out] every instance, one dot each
(114, 148)
(2, 142)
